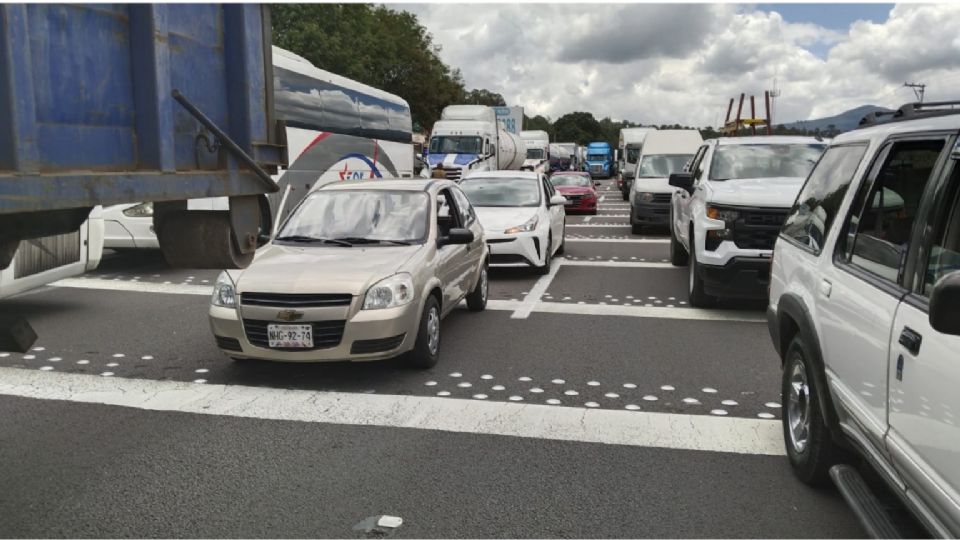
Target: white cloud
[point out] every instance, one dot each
(682, 63)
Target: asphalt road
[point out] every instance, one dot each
(611, 333)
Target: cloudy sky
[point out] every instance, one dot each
(663, 63)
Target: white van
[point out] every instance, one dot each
(665, 151)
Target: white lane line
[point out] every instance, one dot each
(607, 225)
(587, 219)
(618, 264)
(540, 287)
(134, 286)
(602, 197)
(622, 240)
(620, 427)
(650, 312)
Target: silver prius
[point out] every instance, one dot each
(360, 271)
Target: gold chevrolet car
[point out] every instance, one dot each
(359, 271)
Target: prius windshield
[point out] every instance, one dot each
(739, 161)
(345, 217)
(662, 166)
(507, 192)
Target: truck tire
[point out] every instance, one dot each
(698, 297)
(810, 446)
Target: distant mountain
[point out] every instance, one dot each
(844, 121)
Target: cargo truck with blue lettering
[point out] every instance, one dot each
(468, 138)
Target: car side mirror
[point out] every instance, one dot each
(456, 236)
(682, 180)
(559, 200)
(945, 305)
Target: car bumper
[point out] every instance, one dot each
(367, 335)
(524, 249)
(651, 213)
(741, 277)
(582, 205)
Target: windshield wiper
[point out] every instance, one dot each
(362, 240)
(312, 239)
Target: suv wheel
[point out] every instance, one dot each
(698, 298)
(426, 352)
(477, 300)
(810, 447)
(678, 255)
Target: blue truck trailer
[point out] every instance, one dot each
(599, 161)
(107, 104)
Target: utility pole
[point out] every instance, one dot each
(774, 94)
(918, 89)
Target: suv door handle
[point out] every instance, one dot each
(911, 340)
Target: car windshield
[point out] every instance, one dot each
(359, 216)
(633, 154)
(738, 161)
(502, 191)
(575, 180)
(662, 166)
(448, 144)
(534, 153)
(596, 157)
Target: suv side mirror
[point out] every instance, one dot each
(559, 200)
(456, 236)
(682, 180)
(945, 305)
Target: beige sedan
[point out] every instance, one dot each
(360, 271)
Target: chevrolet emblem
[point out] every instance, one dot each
(289, 315)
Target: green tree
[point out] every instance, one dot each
(541, 123)
(579, 127)
(482, 96)
(375, 45)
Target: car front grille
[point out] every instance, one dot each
(294, 300)
(758, 229)
(574, 199)
(661, 198)
(453, 173)
(596, 168)
(367, 346)
(326, 334)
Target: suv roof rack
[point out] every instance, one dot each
(911, 111)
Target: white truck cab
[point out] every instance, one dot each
(467, 138)
(727, 214)
(537, 156)
(629, 148)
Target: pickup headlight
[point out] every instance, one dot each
(224, 292)
(530, 225)
(723, 214)
(140, 210)
(394, 291)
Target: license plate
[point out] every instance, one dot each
(290, 336)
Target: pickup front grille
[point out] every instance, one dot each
(294, 300)
(758, 229)
(662, 198)
(326, 334)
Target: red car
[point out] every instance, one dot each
(578, 188)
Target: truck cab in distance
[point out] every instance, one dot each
(599, 160)
(728, 210)
(630, 147)
(537, 144)
(467, 138)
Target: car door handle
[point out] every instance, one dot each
(826, 288)
(911, 340)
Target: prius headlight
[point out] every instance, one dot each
(224, 292)
(530, 225)
(394, 291)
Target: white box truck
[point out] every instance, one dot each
(628, 153)
(468, 138)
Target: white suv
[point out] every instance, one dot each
(864, 310)
(726, 215)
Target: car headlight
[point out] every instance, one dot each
(224, 292)
(726, 215)
(394, 291)
(140, 210)
(645, 197)
(530, 225)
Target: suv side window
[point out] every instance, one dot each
(878, 232)
(467, 216)
(944, 256)
(812, 214)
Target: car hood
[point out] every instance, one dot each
(574, 190)
(497, 220)
(321, 269)
(652, 184)
(779, 192)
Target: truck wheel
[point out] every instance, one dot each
(477, 300)
(810, 447)
(426, 352)
(698, 298)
